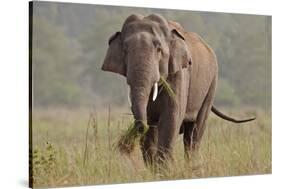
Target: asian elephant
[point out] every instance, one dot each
(151, 47)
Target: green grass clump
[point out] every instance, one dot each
(43, 161)
(131, 136)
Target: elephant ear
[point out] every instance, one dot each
(180, 56)
(113, 61)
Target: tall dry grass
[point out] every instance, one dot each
(77, 147)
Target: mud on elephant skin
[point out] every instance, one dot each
(149, 48)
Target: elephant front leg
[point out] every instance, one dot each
(167, 129)
(149, 145)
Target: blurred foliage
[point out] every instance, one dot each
(226, 94)
(70, 42)
(54, 65)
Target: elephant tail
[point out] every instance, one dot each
(228, 118)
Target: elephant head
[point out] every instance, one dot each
(145, 49)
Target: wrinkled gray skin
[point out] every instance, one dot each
(148, 47)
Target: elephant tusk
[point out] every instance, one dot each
(129, 96)
(155, 91)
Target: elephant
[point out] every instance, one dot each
(148, 48)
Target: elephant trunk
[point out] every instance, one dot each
(139, 99)
(142, 73)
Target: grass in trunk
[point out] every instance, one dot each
(127, 142)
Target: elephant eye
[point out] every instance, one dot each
(158, 50)
(156, 43)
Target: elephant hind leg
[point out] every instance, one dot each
(149, 145)
(188, 137)
(193, 131)
(205, 111)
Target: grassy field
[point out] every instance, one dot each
(77, 147)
